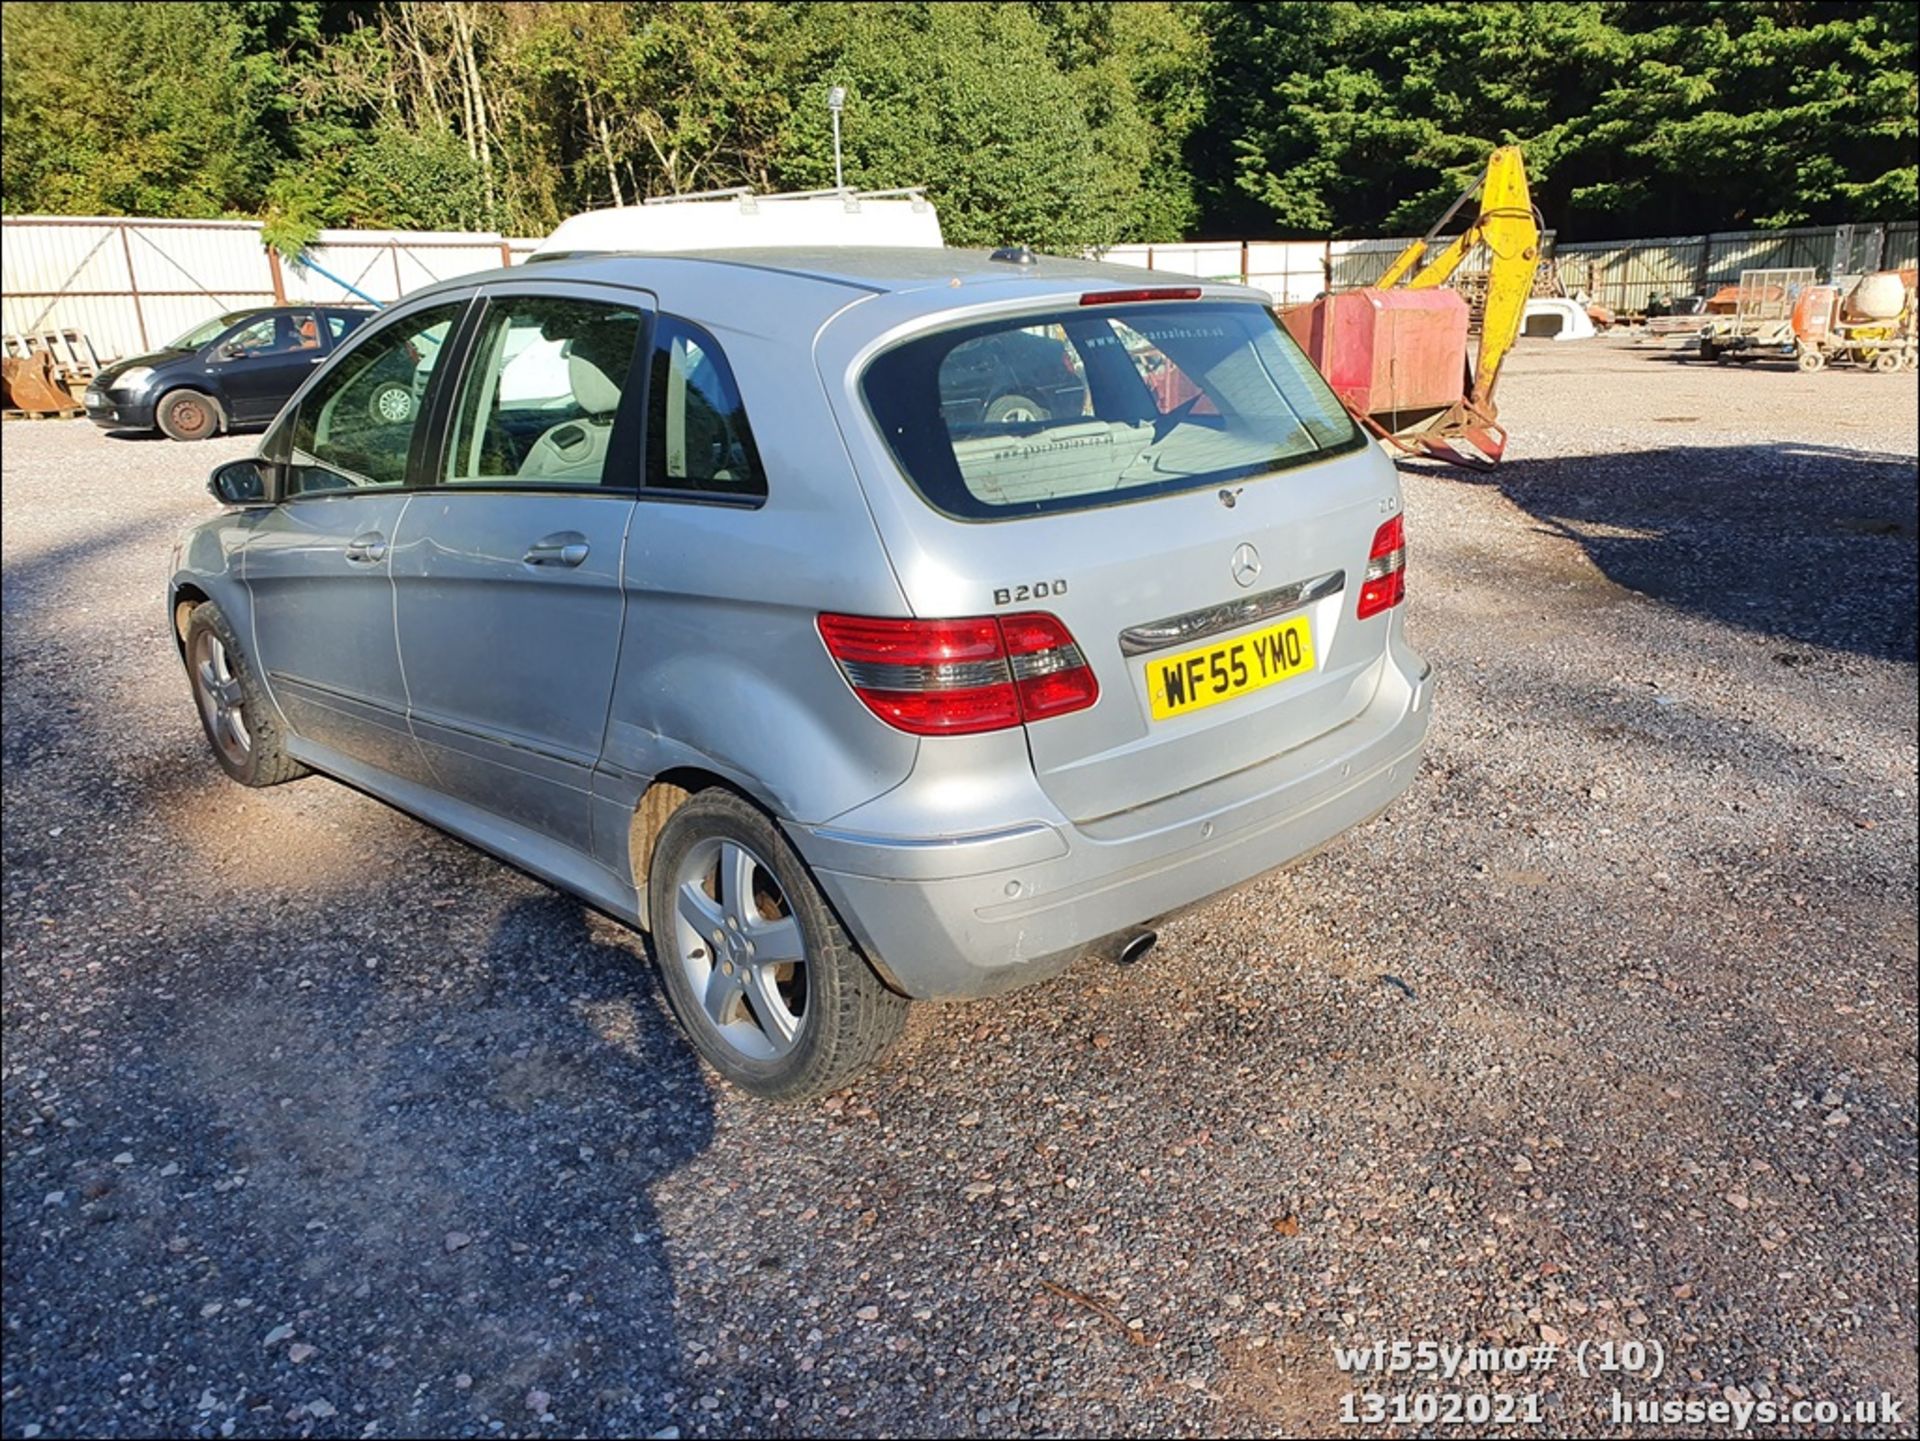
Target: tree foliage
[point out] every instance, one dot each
(1058, 122)
(1636, 118)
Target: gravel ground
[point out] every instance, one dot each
(319, 1122)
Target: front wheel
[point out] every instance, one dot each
(234, 712)
(1812, 360)
(187, 415)
(772, 991)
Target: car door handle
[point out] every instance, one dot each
(567, 547)
(316, 360)
(367, 548)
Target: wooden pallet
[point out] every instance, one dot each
(43, 414)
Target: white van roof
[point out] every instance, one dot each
(739, 219)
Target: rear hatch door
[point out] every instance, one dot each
(1192, 503)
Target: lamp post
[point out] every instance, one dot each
(836, 99)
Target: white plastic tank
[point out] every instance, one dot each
(1878, 296)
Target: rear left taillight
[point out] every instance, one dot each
(1385, 584)
(961, 677)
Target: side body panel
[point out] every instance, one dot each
(509, 662)
(721, 666)
(323, 640)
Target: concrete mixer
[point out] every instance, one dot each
(1869, 323)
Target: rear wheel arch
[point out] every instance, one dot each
(664, 795)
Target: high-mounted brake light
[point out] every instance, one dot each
(961, 677)
(1385, 583)
(1127, 297)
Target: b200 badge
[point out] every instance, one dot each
(1036, 590)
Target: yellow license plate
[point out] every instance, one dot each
(1210, 674)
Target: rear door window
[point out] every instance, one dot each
(542, 394)
(1100, 405)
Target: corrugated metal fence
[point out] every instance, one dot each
(133, 284)
(1626, 274)
(1623, 274)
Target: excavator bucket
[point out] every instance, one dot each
(1464, 437)
(1397, 361)
(29, 384)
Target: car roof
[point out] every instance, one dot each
(302, 306)
(875, 270)
(794, 290)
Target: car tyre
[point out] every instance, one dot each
(188, 415)
(1812, 360)
(239, 720)
(391, 403)
(1017, 409)
(799, 1013)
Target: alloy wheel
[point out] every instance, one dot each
(222, 703)
(741, 949)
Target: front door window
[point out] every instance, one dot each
(356, 426)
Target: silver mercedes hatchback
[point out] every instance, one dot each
(864, 625)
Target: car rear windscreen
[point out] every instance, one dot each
(1100, 404)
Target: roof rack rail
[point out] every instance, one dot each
(747, 194)
(731, 192)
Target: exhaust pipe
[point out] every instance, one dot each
(1136, 946)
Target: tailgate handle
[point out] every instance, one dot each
(566, 547)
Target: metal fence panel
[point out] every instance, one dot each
(387, 264)
(131, 284)
(83, 258)
(1291, 271)
(1623, 274)
(1902, 246)
(1627, 276)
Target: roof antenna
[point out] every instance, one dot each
(1013, 255)
(836, 100)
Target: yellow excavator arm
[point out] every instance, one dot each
(1507, 224)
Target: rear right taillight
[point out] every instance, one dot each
(1385, 583)
(1050, 676)
(964, 676)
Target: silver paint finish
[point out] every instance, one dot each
(547, 685)
(323, 638)
(509, 663)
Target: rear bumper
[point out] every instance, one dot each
(978, 914)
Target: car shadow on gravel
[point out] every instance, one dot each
(421, 1143)
(250, 428)
(1809, 544)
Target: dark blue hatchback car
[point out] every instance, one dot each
(237, 369)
